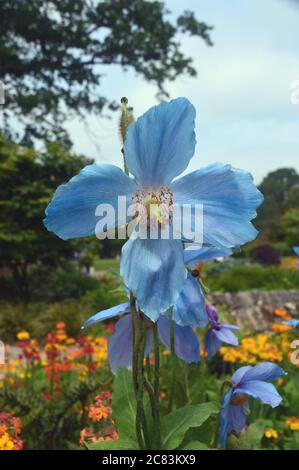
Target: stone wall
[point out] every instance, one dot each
(255, 308)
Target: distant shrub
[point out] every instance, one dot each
(266, 254)
(241, 278)
(61, 285)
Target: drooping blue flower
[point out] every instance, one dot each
(190, 306)
(158, 147)
(120, 342)
(292, 323)
(218, 333)
(248, 382)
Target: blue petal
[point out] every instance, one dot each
(213, 344)
(186, 344)
(190, 309)
(160, 144)
(229, 198)
(237, 418)
(224, 419)
(154, 271)
(109, 313)
(71, 213)
(193, 256)
(263, 391)
(266, 371)
(238, 375)
(226, 336)
(120, 344)
(212, 314)
(296, 250)
(292, 323)
(231, 327)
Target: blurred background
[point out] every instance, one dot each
(64, 67)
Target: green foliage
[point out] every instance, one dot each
(280, 190)
(60, 285)
(292, 198)
(289, 227)
(107, 294)
(27, 182)
(120, 444)
(251, 439)
(49, 424)
(52, 55)
(242, 278)
(177, 423)
(196, 445)
(124, 405)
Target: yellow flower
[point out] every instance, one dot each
(293, 423)
(253, 350)
(23, 335)
(6, 443)
(271, 433)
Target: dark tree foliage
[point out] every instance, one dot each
(276, 187)
(53, 53)
(27, 181)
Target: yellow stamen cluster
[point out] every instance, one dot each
(153, 205)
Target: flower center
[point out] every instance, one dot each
(153, 206)
(239, 399)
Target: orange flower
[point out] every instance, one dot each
(60, 325)
(98, 412)
(282, 313)
(3, 429)
(293, 423)
(84, 434)
(279, 328)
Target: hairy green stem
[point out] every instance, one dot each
(135, 340)
(157, 386)
(148, 368)
(139, 340)
(172, 360)
(140, 379)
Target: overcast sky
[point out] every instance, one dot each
(242, 92)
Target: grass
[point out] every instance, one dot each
(110, 264)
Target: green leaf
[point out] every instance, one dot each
(120, 444)
(124, 404)
(196, 445)
(293, 443)
(251, 438)
(175, 424)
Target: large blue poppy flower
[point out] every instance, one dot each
(186, 344)
(218, 333)
(158, 147)
(248, 382)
